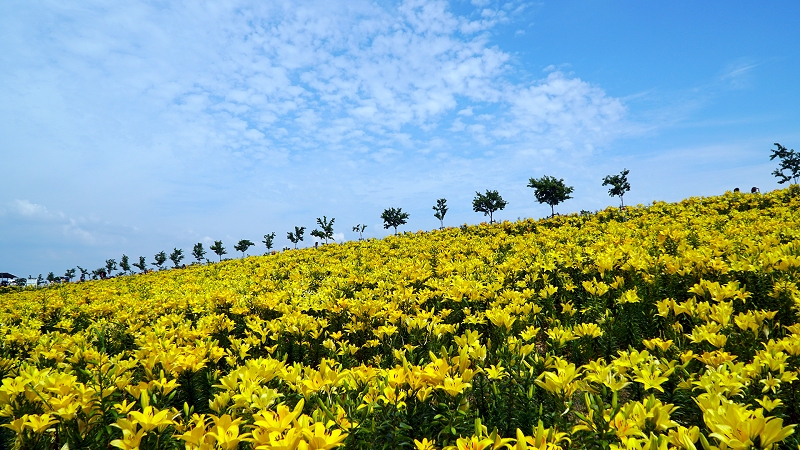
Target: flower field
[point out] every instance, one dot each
(670, 326)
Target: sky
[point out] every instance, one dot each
(142, 126)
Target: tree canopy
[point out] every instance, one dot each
(440, 209)
(243, 245)
(488, 203)
(550, 190)
(325, 230)
(360, 229)
(141, 265)
(160, 258)
(218, 249)
(199, 252)
(176, 257)
(393, 218)
(619, 185)
(790, 161)
(268, 240)
(296, 236)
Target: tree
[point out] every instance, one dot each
(218, 249)
(326, 229)
(488, 203)
(141, 265)
(51, 278)
(84, 273)
(243, 245)
(619, 185)
(199, 252)
(393, 218)
(111, 265)
(99, 273)
(160, 258)
(360, 229)
(550, 190)
(124, 264)
(440, 210)
(297, 236)
(69, 274)
(268, 240)
(176, 257)
(789, 161)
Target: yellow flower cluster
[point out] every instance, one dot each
(668, 326)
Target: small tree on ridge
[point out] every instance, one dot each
(488, 203)
(326, 229)
(218, 249)
(199, 252)
(160, 258)
(360, 229)
(243, 245)
(296, 236)
(440, 209)
(790, 161)
(393, 218)
(619, 185)
(550, 190)
(176, 257)
(268, 240)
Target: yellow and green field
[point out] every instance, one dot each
(657, 327)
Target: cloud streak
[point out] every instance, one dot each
(195, 116)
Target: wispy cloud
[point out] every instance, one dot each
(188, 119)
(88, 231)
(738, 74)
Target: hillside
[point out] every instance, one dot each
(660, 326)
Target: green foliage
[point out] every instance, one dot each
(619, 185)
(243, 245)
(111, 265)
(160, 258)
(550, 190)
(199, 252)
(393, 218)
(84, 273)
(218, 249)
(69, 274)
(488, 203)
(124, 264)
(440, 209)
(141, 265)
(268, 240)
(360, 229)
(51, 277)
(176, 257)
(326, 229)
(296, 236)
(790, 161)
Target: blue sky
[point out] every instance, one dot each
(135, 127)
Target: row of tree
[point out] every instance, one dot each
(547, 190)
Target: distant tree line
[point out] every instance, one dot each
(547, 190)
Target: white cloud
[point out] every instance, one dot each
(26, 208)
(208, 116)
(738, 74)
